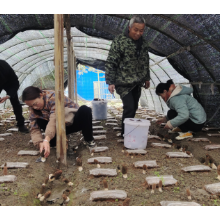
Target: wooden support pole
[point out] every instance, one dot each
(59, 88)
(69, 57)
(75, 80)
(70, 70)
(74, 73)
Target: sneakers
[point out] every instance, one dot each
(175, 130)
(23, 129)
(184, 136)
(90, 144)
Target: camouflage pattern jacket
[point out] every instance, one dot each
(123, 68)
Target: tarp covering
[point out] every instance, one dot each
(191, 44)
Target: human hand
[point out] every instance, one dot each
(161, 120)
(3, 99)
(45, 146)
(166, 127)
(147, 84)
(111, 88)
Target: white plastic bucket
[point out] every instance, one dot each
(99, 110)
(136, 133)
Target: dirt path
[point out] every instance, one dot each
(29, 180)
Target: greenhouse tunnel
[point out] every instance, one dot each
(185, 48)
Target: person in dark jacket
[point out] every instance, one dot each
(127, 67)
(9, 82)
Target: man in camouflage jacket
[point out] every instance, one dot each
(127, 67)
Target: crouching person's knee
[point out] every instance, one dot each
(85, 109)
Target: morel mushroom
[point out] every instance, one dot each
(144, 168)
(105, 184)
(124, 171)
(79, 164)
(5, 171)
(188, 194)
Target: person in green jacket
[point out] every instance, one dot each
(186, 115)
(127, 67)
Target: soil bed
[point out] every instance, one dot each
(24, 190)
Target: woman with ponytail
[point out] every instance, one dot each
(186, 115)
(43, 116)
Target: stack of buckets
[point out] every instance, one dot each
(136, 130)
(99, 110)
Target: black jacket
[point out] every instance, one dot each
(8, 79)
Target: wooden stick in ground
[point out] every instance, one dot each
(76, 98)
(59, 88)
(69, 57)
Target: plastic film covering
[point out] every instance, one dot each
(108, 194)
(196, 168)
(100, 159)
(212, 147)
(148, 163)
(177, 154)
(99, 149)
(189, 42)
(12, 165)
(166, 180)
(103, 172)
(213, 188)
(7, 179)
(178, 203)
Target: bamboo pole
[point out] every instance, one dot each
(75, 80)
(59, 88)
(74, 73)
(69, 57)
(70, 70)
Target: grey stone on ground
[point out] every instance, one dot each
(100, 159)
(13, 165)
(196, 168)
(103, 172)
(108, 194)
(28, 152)
(178, 203)
(8, 179)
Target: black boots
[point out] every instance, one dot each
(23, 129)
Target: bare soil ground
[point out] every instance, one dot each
(24, 190)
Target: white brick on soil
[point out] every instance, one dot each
(160, 145)
(148, 163)
(5, 134)
(99, 149)
(8, 179)
(196, 168)
(108, 194)
(177, 154)
(100, 137)
(13, 165)
(100, 159)
(212, 147)
(167, 180)
(178, 203)
(103, 172)
(28, 152)
(13, 129)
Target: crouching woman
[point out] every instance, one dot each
(43, 116)
(186, 115)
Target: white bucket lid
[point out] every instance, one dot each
(137, 121)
